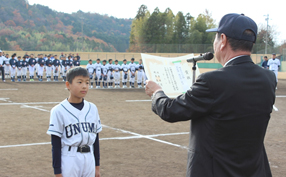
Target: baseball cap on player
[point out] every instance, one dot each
(98, 59)
(110, 60)
(124, 60)
(116, 60)
(234, 25)
(104, 61)
(132, 59)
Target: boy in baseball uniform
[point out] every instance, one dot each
(98, 77)
(32, 63)
(7, 65)
(41, 65)
(110, 73)
(56, 68)
(274, 65)
(104, 71)
(74, 127)
(140, 74)
(49, 67)
(132, 72)
(19, 69)
(13, 63)
(90, 69)
(124, 68)
(116, 69)
(24, 68)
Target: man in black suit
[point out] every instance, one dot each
(229, 108)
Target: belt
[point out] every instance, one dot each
(82, 149)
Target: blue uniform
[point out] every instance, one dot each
(76, 63)
(13, 63)
(32, 62)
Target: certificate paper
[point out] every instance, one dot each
(174, 75)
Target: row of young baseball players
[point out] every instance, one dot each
(18, 66)
(109, 73)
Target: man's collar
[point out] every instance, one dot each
(233, 59)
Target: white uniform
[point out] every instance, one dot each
(110, 76)
(76, 129)
(124, 68)
(97, 68)
(90, 69)
(116, 69)
(104, 71)
(140, 75)
(132, 72)
(273, 65)
(7, 66)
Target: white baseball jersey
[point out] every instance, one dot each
(75, 127)
(132, 67)
(273, 64)
(104, 69)
(97, 67)
(117, 67)
(6, 61)
(110, 67)
(90, 68)
(125, 67)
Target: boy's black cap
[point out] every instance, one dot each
(233, 26)
(116, 60)
(19, 56)
(90, 60)
(124, 60)
(110, 60)
(104, 61)
(132, 59)
(98, 59)
(49, 55)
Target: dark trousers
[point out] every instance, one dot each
(3, 73)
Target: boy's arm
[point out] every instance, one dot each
(56, 154)
(96, 155)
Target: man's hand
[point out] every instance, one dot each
(152, 87)
(58, 175)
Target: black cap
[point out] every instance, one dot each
(110, 60)
(274, 54)
(104, 61)
(132, 59)
(90, 60)
(234, 25)
(116, 60)
(19, 56)
(49, 55)
(55, 55)
(98, 59)
(124, 60)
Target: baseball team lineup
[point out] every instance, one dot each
(105, 73)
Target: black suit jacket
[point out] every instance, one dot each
(230, 109)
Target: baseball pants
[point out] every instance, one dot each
(56, 70)
(19, 72)
(140, 76)
(48, 71)
(7, 69)
(40, 70)
(276, 74)
(117, 77)
(75, 164)
(13, 72)
(131, 78)
(31, 70)
(24, 71)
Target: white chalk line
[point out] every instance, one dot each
(9, 89)
(101, 139)
(137, 135)
(30, 103)
(138, 100)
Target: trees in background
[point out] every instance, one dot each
(166, 32)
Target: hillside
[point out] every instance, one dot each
(37, 27)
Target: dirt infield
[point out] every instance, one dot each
(134, 141)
